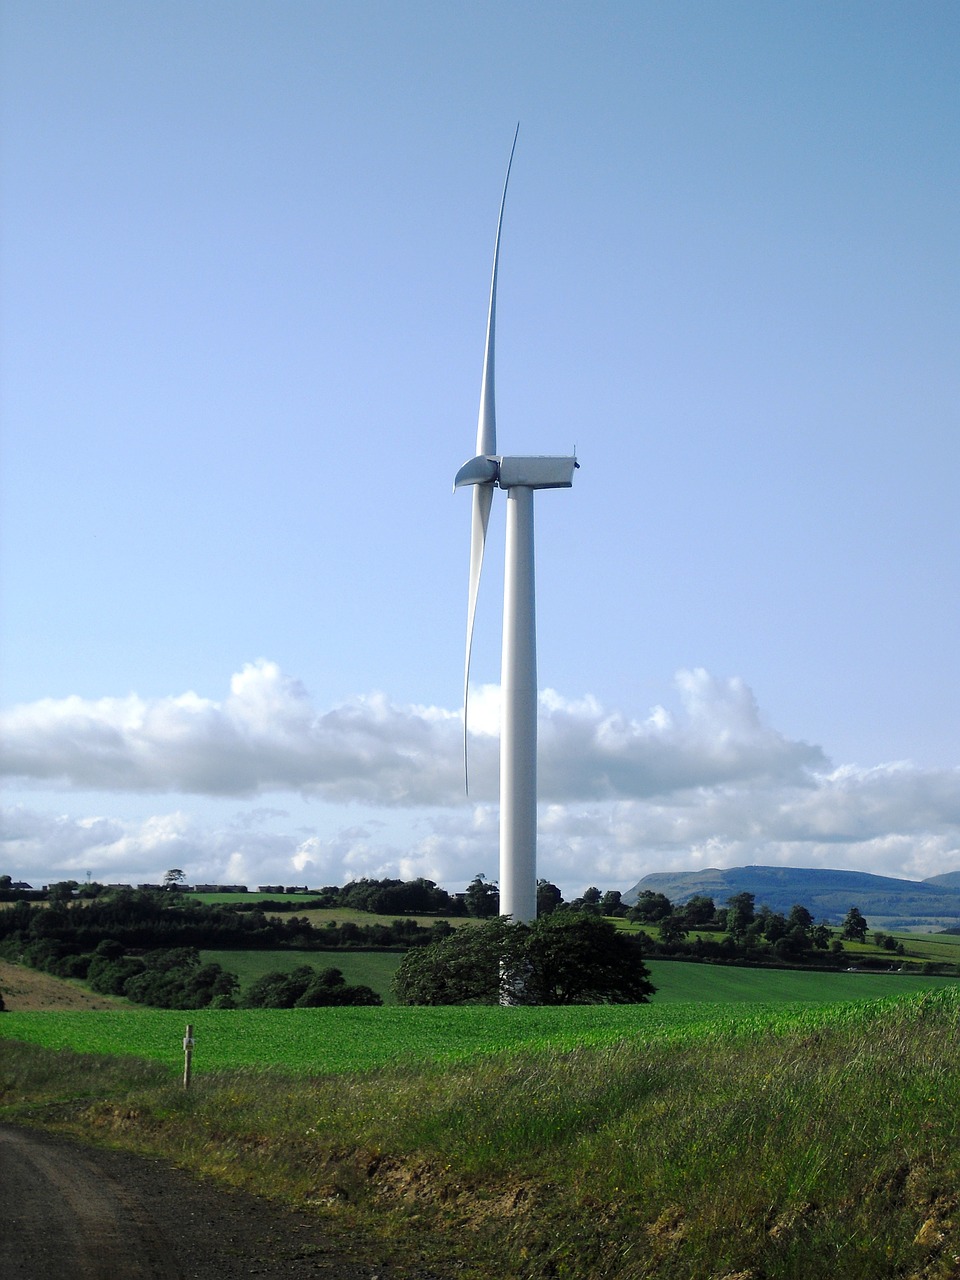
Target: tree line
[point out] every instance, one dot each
(175, 978)
(144, 943)
(144, 918)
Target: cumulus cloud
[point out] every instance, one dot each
(708, 785)
(265, 736)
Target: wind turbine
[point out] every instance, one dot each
(519, 477)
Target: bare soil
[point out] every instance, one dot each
(70, 1212)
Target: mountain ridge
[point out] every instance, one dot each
(828, 894)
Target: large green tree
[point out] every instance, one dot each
(482, 897)
(567, 957)
(854, 926)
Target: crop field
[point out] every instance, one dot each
(345, 1039)
(337, 1040)
(675, 980)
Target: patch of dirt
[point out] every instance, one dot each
(27, 990)
(71, 1212)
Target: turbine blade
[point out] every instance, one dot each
(482, 498)
(487, 422)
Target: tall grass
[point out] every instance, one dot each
(800, 1143)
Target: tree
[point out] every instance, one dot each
(549, 897)
(854, 926)
(173, 878)
(306, 988)
(611, 903)
(740, 914)
(774, 924)
(820, 937)
(62, 891)
(482, 898)
(568, 957)
(463, 968)
(699, 911)
(650, 907)
(799, 917)
(573, 958)
(672, 929)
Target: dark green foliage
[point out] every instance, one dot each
(672, 928)
(306, 987)
(482, 898)
(651, 907)
(460, 969)
(740, 914)
(854, 926)
(700, 912)
(384, 897)
(572, 958)
(567, 957)
(152, 919)
(549, 897)
(175, 979)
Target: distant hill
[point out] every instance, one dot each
(828, 895)
(949, 881)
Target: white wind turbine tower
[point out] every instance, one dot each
(519, 477)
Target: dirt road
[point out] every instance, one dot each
(69, 1212)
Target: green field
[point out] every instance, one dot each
(345, 1039)
(674, 980)
(679, 1141)
(367, 968)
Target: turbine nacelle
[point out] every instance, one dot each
(513, 473)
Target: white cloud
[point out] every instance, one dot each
(710, 785)
(266, 736)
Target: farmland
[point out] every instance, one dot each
(674, 980)
(654, 1142)
(749, 1121)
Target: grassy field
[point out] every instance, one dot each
(919, 948)
(369, 968)
(346, 1039)
(674, 980)
(674, 1142)
(360, 1039)
(24, 988)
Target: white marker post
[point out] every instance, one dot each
(187, 1055)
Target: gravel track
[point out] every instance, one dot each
(71, 1212)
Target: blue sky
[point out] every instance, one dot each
(245, 262)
